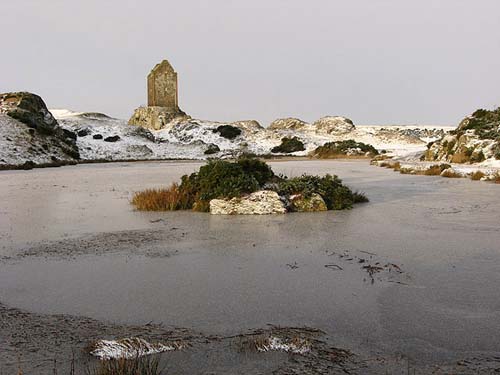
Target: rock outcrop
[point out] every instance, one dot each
(476, 139)
(155, 118)
(288, 123)
(263, 202)
(335, 125)
(32, 134)
(248, 126)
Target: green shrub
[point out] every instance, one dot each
(335, 195)
(220, 179)
(333, 149)
(360, 197)
(228, 131)
(484, 123)
(224, 179)
(212, 149)
(289, 145)
(260, 170)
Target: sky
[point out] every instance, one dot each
(374, 61)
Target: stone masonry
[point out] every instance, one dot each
(163, 106)
(162, 86)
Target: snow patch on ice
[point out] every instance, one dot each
(295, 345)
(129, 348)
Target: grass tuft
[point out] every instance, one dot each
(169, 199)
(137, 366)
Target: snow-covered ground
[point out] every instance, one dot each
(100, 137)
(20, 144)
(189, 139)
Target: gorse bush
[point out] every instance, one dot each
(289, 145)
(224, 179)
(220, 179)
(335, 195)
(344, 148)
(484, 123)
(228, 131)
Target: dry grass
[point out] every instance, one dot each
(139, 366)
(170, 199)
(405, 170)
(450, 173)
(477, 175)
(434, 170)
(391, 165)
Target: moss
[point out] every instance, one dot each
(289, 145)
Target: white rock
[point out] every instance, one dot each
(333, 125)
(263, 202)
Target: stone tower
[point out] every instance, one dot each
(162, 87)
(163, 106)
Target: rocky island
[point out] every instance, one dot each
(248, 186)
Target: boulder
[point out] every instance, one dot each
(261, 202)
(249, 126)
(334, 125)
(315, 202)
(212, 149)
(97, 136)
(139, 150)
(83, 132)
(30, 110)
(288, 123)
(155, 118)
(112, 138)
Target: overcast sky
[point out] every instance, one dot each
(375, 61)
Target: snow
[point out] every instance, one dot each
(296, 346)
(129, 348)
(189, 139)
(18, 146)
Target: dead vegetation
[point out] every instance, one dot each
(477, 175)
(167, 199)
(149, 365)
(450, 173)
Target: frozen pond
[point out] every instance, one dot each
(70, 243)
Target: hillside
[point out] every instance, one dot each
(30, 136)
(476, 140)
